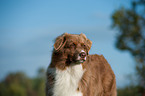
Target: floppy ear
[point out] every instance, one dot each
(60, 42)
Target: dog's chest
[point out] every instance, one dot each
(66, 81)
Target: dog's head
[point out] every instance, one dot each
(74, 47)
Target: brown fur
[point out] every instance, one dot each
(98, 79)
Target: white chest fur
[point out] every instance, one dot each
(66, 81)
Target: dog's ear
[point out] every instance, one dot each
(83, 35)
(89, 43)
(60, 42)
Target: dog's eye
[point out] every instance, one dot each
(84, 45)
(73, 45)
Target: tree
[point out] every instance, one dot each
(14, 85)
(131, 36)
(18, 84)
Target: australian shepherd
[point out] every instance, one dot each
(73, 72)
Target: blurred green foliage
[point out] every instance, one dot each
(18, 84)
(131, 90)
(130, 24)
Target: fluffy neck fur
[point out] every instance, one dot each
(66, 81)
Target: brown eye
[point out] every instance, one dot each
(73, 45)
(83, 45)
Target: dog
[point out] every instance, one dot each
(73, 72)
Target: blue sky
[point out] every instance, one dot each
(28, 29)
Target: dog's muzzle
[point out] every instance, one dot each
(81, 57)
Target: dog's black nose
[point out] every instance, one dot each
(82, 54)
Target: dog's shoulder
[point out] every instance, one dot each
(96, 59)
(98, 62)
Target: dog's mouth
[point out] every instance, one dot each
(77, 58)
(80, 59)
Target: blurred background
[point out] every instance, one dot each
(28, 29)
